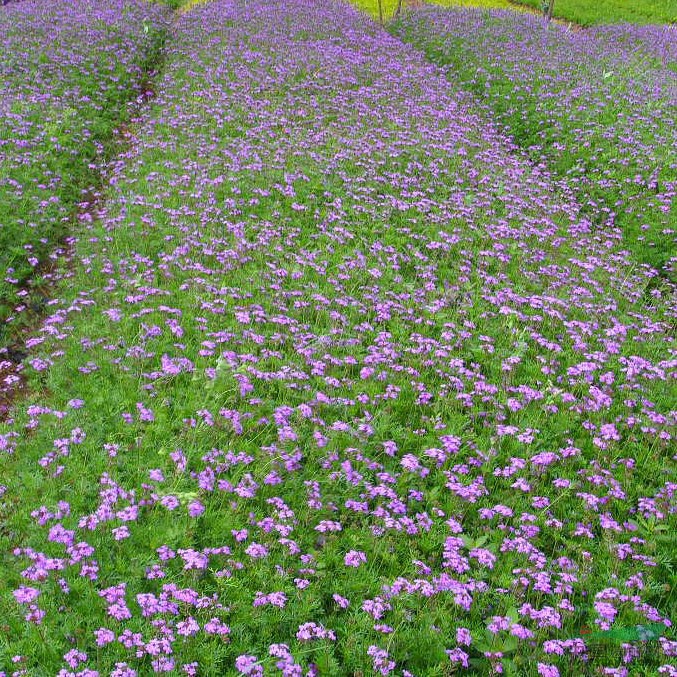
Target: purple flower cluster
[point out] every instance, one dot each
(595, 105)
(68, 73)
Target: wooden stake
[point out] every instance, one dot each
(551, 9)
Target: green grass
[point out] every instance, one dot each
(589, 12)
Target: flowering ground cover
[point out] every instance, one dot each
(596, 106)
(341, 385)
(67, 72)
(588, 13)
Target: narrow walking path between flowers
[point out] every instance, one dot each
(74, 82)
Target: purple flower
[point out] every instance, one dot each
(278, 599)
(193, 559)
(170, 502)
(458, 656)
(310, 631)
(382, 664)
(354, 558)
(74, 658)
(463, 636)
(328, 525)
(257, 551)
(26, 595)
(195, 508)
(498, 624)
(188, 627)
(216, 627)
(546, 670)
(120, 533)
(104, 636)
(248, 665)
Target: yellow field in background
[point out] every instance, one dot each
(189, 4)
(371, 6)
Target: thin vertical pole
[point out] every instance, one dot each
(551, 9)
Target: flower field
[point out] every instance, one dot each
(339, 382)
(597, 107)
(67, 76)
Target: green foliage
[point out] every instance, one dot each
(589, 12)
